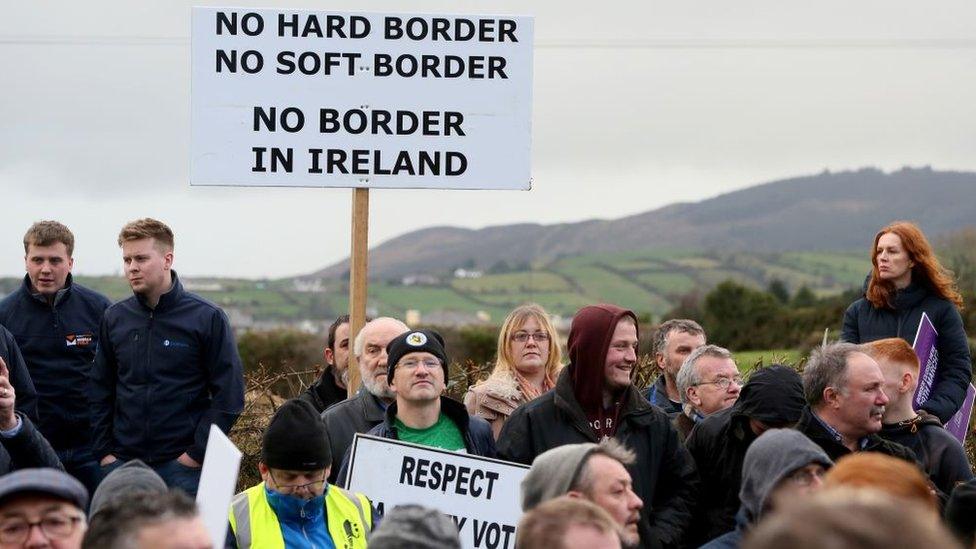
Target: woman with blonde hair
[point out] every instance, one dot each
(527, 364)
(908, 280)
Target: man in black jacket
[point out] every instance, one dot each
(773, 398)
(674, 340)
(21, 445)
(166, 368)
(844, 390)
(55, 322)
(417, 374)
(942, 456)
(330, 387)
(595, 399)
(364, 411)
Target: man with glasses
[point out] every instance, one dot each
(417, 375)
(773, 398)
(42, 508)
(781, 466)
(708, 382)
(294, 506)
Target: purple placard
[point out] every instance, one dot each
(928, 358)
(959, 424)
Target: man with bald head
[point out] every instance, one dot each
(366, 410)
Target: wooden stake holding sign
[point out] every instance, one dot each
(295, 98)
(358, 269)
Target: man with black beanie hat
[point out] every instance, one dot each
(418, 371)
(772, 398)
(294, 506)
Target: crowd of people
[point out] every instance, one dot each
(105, 411)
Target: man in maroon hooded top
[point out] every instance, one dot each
(595, 399)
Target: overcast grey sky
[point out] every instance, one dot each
(635, 105)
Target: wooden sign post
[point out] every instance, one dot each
(358, 263)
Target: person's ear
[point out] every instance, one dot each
(906, 382)
(693, 398)
(831, 397)
(575, 494)
(329, 355)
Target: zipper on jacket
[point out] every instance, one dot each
(146, 406)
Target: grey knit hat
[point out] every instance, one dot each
(415, 527)
(553, 473)
(135, 477)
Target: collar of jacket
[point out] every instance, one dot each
(633, 406)
(910, 296)
(167, 300)
(373, 407)
(60, 296)
(454, 410)
(811, 426)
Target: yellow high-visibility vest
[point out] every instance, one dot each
(255, 524)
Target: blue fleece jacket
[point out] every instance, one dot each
(162, 376)
(58, 343)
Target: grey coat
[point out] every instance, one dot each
(343, 420)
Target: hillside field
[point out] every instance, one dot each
(650, 282)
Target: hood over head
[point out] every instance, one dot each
(589, 341)
(770, 459)
(773, 395)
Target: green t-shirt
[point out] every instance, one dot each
(443, 434)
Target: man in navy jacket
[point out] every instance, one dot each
(166, 369)
(55, 323)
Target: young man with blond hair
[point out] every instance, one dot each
(55, 323)
(941, 455)
(167, 367)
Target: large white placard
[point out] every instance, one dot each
(480, 494)
(336, 99)
(218, 480)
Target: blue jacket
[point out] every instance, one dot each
(25, 397)
(162, 376)
(58, 343)
(864, 323)
(478, 438)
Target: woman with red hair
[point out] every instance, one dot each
(908, 280)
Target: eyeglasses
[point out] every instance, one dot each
(412, 363)
(16, 531)
(538, 337)
(723, 382)
(805, 477)
(288, 488)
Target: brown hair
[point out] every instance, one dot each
(845, 517)
(46, 233)
(894, 349)
(504, 364)
(927, 268)
(147, 227)
(884, 473)
(546, 525)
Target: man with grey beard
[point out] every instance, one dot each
(844, 390)
(364, 411)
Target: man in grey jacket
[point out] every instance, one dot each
(366, 410)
